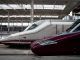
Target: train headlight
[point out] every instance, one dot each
(48, 42)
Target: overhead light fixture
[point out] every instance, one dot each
(15, 24)
(28, 6)
(48, 16)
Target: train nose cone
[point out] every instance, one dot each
(2, 40)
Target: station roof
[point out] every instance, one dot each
(43, 9)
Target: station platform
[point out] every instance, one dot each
(5, 50)
(7, 53)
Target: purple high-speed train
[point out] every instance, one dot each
(62, 44)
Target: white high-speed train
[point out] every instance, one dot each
(36, 31)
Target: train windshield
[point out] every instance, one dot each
(33, 26)
(73, 25)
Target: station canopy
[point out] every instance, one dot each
(16, 10)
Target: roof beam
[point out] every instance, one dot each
(70, 6)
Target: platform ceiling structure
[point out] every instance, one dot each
(43, 9)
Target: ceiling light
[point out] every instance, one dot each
(48, 16)
(28, 6)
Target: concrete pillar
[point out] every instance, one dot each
(8, 21)
(32, 10)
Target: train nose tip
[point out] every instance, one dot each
(2, 39)
(1, 42)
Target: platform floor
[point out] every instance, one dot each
(7, 53)
(5, 50)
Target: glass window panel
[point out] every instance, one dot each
(4, 6)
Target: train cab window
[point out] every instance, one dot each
(73, 25)
(33, 26)
(77, 29)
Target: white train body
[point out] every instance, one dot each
(36, 31)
